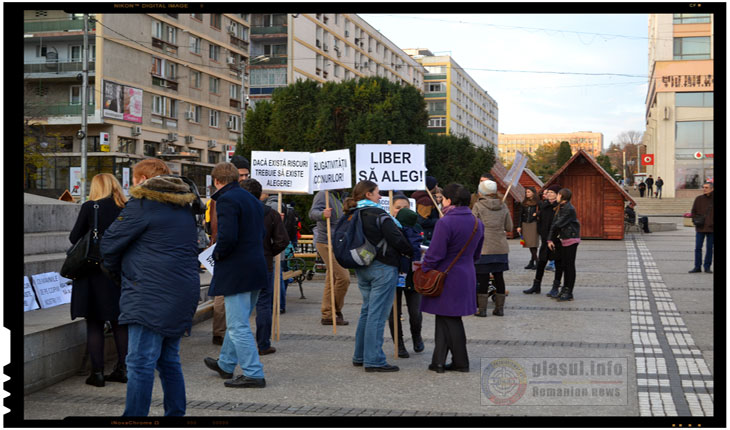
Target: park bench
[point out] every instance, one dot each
(297, 272)
(307, 251)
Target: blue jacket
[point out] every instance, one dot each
(240, 265)
(153, 243)
(415, 238)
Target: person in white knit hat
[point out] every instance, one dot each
(495, 250)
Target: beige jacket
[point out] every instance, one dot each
(497, 221)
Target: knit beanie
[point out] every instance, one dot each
(407, 217)
(555, 187)
(487, 187)
(241, 162)
(431, 182)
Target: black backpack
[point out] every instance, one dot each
(350, 246)
(291, 222)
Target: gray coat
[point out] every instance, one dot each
(318, 207)
(497, 220)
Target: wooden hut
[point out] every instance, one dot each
(529, 179)
(598, 199)
(515, 197)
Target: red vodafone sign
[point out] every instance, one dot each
(647, 160)
(698, 155)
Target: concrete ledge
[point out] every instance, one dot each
(662, 226)
(35, 264)
(60, 216)
(46, 243)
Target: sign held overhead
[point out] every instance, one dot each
(285, 172)
(392, 167)
(331, 170)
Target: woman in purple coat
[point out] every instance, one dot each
(452, 233)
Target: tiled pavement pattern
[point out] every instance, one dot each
(672, 376)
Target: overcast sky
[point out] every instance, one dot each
(542, 103)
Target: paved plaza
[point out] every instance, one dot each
(635, 304)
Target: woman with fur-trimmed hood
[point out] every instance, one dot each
(153, 244)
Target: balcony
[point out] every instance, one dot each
(235, 41)
(435, 95)
(63, 110)
(437, 112)
(58, 67)
(434, 77)
(264, 31)
(273, 61)
(62, 25)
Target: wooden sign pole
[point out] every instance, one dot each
(506, 193)
(329, 263)
(434, 202)
(277, 282)
(395, 297)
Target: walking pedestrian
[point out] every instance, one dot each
(458, 232)
(544, 222)
(95, 296)
(240, 274)
(650, 186)
(527, 228)
(153, 244)
(275, 241)
(703, 216)
(414, 234)
(377, 282)
(659, 184)
(340, 275)
(564, 238)
(494, 261)
(219, 310)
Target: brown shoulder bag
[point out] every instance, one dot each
(431, 283)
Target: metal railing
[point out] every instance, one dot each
(61, 25)
(61, 110)
(274, 29)
(57, 67)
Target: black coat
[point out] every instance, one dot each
(240, 265)
(649, 182)
(526, 214)
(154, 244)
(276, 239)
(565, 223)
(95, 296)
(545, 218)
(397, 243)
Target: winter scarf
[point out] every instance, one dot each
(365, 203)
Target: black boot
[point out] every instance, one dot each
(418, 345)
(535, 288)
(531, 265)
(402, 351)
(96, 378)
(482, 301)
(499, 308)
(566, 295)
(119, 374)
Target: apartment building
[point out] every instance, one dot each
(588, 141)
(456, 103)
(161, 85)
(680, 101)
(322, 47)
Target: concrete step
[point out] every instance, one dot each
(45, 243)
(41, 214)
(42, 263)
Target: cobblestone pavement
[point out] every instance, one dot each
(634, 303)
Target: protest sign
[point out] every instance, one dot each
(392, 167)
(385, 203)
(285, 172)
(206, 259)
(29, 302)
(48, 289)
(516, 170)
(66, 287)
(330, 170)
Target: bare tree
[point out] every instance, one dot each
(630, 137)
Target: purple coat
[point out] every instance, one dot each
(449, 236)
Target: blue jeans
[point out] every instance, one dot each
(239, 345)
(148, 351)
(699, 238)
(377, 284)
(264, 310)
(282, 292)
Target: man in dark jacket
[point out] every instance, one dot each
(545, 215)
(659, 184)
(275, 241)
(630, 217)
(704, 207)
(239, 275)
(219, 312)
(650, 186)
(153, 243)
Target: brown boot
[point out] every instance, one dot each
(499, 305)
(482, 301)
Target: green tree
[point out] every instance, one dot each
(605, 162)
(456, 159)
(544, 161)
(564, 154)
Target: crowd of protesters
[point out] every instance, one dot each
(148, 285)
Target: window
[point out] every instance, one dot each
(435, 87)
(171, 70)
(197, 16)
(164, 32)
(244, 16)
(157, 29)
(437, 122)
(40, 51)
(338, 71)
(278, 50)
(268, 77)
(195, 78)
(704, 99)
(195, 45)
(435, 69)
(234, 121)
(164, 106)
(127, 145)
(197, 113)
(214, 52)
(172, 108)
(235, 91)
(213, 118)
(158, 106)
(693, 136)
(214, 85)
(692, 48)
(213, 157)
(171, 35)
(157, 66)
(318, 64)
(215, 20)
(151, 148)
(691, 18)
(75, 95)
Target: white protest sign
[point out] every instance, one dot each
(286, 172)
(66, 288)
(516, 170)
(48, 289)
(392, 167)
(206, 259)
(29, 302)
(385, 203)
(330, 170)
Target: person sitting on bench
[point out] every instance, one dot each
(630, 217)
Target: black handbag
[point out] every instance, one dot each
(84, 255)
